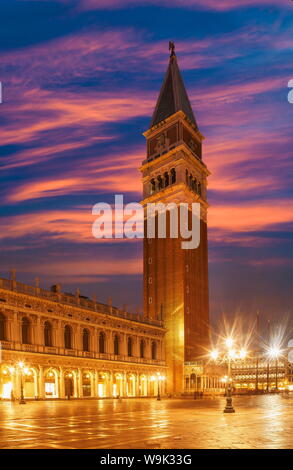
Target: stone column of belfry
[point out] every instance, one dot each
(176, 280)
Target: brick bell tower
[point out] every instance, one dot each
(176, 280)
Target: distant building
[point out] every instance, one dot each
(260, 373)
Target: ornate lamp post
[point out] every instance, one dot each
(21, 368)
(227, 356)
(160, 379)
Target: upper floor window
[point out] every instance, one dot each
(116, 345)
(25, 330)
(160, 182)
(2, 327)
(166, 178)
(153, 186)
(48, 333)
(141, 348)
(102, 343)
(129, 347)
(68, 337)
(173, 176)
(86, 340)
(154, 350)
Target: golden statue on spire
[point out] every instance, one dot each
(172, 48)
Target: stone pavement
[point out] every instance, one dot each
(261, 422)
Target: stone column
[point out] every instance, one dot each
(95, 383)
(110, 385)
(148, 379)
(55, 331)
(79, 384)
(15, 328)
(61, 384)
(123, 351)
(59, 334)
(41, 384)
(38, 333)
(14, 384)
(137, 385)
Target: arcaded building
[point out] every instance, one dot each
(64, 345)
(57, 345)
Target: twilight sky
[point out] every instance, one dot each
(80, 80)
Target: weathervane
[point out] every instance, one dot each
(172, 48)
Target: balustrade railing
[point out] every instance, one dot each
(55, 350)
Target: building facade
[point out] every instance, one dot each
(61, 345)
(261, 374)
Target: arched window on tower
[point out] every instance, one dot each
(153, 186)
(129, 347)
(166, 179)
(2, 327)
(173, 176)
(48, 333)
(116, 345)
(25, 330)
(194, 185)
(190, 180)
(154, 350)
(141, 348)
(68, 337)
(86, 340)
(102, 343)
(160, 182)
(186, 176)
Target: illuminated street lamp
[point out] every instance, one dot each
(274, 352)
(229, 355)
(160, 379)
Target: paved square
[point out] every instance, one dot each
(259, 422)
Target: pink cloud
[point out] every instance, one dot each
(109, 267)
(193, 4)
(45, 111)
(114, 173)
(247, 217)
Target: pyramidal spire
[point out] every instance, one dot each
(173, 96)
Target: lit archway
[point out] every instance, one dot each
(51, 383)
(102, 385)
(87, 384)
(30, 383)
(143, 386)
(6, 382)
(130, 385)
(69, 383)
(117, 385)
